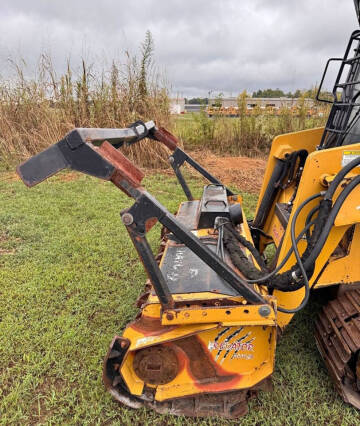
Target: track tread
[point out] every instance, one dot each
(337, 334)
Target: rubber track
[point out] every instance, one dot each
(337, 334)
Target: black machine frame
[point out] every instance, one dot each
(78, 151)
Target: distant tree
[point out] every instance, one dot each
(196, 101)
(218, 100)
(241, 102)
(269, 93)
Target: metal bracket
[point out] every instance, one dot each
(178, 158)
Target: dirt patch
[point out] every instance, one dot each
(9, 176)
(68, 176)
(39, 410)
(243, 172)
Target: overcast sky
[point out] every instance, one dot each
(202, 45)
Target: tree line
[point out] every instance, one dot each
(262, 93)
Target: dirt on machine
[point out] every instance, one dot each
(213, 307)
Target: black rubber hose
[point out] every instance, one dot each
(309, 218)
(311, 214)
(283, 280)
(325, 233)
(303, 272)
(286, 258)
(269, 195)
(243, 241)
(240, 260)
(339, 177)
(238, 257)
(329, 223)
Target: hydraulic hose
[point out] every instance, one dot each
(308, 219)
(258, 278)
(286, 258)
(243, 241)
(302, 269)
(330, 221)
(299, 274)
(269, 195)
(339, 177)
(283, 281)
(314, 254)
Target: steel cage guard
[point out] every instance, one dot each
(79, 151)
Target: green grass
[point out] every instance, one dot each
(69, 278)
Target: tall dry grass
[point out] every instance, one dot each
(36, 112)
(245, 135)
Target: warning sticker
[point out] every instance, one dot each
(349, 156)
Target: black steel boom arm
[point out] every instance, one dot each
(78, 151)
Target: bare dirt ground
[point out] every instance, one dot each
(243, 172)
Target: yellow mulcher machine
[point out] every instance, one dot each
(204, 340)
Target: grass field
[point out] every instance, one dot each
(69, 277)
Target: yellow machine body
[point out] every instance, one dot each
(213, 356)
(223, 345)
(332, 267)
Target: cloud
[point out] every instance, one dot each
(203, 45)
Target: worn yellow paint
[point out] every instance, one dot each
(139, 340)
(251, 370)
(241, 315)
(248, 358)
(348, 265)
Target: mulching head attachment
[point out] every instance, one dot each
(204, 340)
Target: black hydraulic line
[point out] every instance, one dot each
(243, 241)
(282, 280)
(239, 259)
(309, 218)
(242, 263)
(316, 251)
(219, 225)
(269, 195)
(339, 177)
(329, 223)
(286, 258)
(302, 269)
(311, 214)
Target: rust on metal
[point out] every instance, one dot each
(203, 369)
(167, 138)
(149, 326)
(124, 168)
(337, 333)
(156, 365)
(228, 404)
